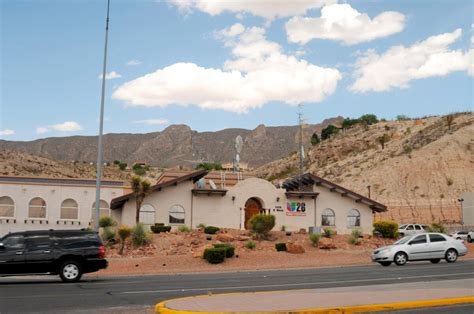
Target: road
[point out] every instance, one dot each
(139, 293)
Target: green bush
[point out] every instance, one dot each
(211, 230)
(201, 226)
(106, 221)
(328, 131)
(184, 229)
(249, 244)
(108, 235)
(369, 119)
(116, 162)
(139, 171)
(261, 224)
(328, 232)
(160, 227)
(354, 239)
(388, 229)
(314, 238)
(215, 255)
(140, 236)
(124, 232)
(436, 227)
(229, 248)
(280, 247)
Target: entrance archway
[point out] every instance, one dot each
(253, 206)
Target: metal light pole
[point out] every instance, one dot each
(101, 127)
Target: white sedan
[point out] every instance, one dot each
(427, 246)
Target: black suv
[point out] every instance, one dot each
(69, 253)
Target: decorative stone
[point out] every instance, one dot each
(294, 248)
(326, 244)
(224, 237)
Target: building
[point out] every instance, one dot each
(199, 197)
(28, 203)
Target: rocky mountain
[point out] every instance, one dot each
(177, 145)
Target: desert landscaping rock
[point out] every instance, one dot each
(224, 237)
(294, 248)
(327, 244)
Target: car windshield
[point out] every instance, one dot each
(403, 240)
(402, 226)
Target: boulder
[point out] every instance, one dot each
(243, 238)
(302, 231)
(294, 248)
(326, 244)
(224, 237)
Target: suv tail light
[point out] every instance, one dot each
(101, 251)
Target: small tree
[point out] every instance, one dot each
(107, 221)
(116, 162)
(315, 139)
(124, 232)
(449, 120)
(141, 188)
(122, 166)
(369, 119)
(383, 140)
(261, 224)
(328, 131)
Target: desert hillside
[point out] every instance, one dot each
(424, 167)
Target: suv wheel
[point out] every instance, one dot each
(385, 263)
(400, 258)
(70, 271)
(435, 261)
(469, 239)
(451, 256)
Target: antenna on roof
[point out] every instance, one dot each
(239, 143)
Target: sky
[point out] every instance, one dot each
(228, 64)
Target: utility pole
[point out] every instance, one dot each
(101, 127)
(301, 146)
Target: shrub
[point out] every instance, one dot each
(107, 221)
(449, 181)
(402, 117)
(314, 238)
(122, 166)
(116, 162)
(211, 230)
(124, 232)
(215, 255)
(437, 227)
(354, 238)
(160, 227)
(328, 131)
(369, 119)
(280, 247)
(315, 140)
(328, 232)
(229, 248)
(201, 226)
(139, 171)
(140, 236)
(250, 244)
(387, 229)
(283, 228)
(108, 235)
(184, 229)
(261, 224)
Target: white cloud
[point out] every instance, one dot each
(68, 126)
(340, 22)
(6, 132)
(264, 8)
(259, 73)
(134, 62)
(110, 76)
(399, 65)
(152, 121)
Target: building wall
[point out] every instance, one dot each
(468, 208)
(53, 195)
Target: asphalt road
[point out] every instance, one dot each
(139, 293)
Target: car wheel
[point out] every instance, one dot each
(469, 239)
(435, 261)
(451, 256)
(458, 238)
(400, 258)
(385, 263)
(70, 271)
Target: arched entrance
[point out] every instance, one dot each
(253, 206)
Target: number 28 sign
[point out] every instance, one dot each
(296, 209)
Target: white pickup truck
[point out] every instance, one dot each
(409, 229)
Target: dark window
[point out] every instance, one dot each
(419, 239)
(14, 242)
(417, 227)
(436, 238)
(462, 232)
(353, 218)
(328, 218)
(410, 227)
(38, 241)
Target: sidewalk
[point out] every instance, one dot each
(336, 300)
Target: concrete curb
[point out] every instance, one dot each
(162, 309)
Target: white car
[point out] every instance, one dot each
(409, 229)
(427, 246)
(459, 235)
(470, 236)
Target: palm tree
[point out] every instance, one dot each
(141, 188)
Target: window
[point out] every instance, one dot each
(419, 239)
(69, 209)
(437, 238)
(328, 218)
(38, 241)
(37, 208)
(176, 214)
(14, 242)
(7, 207)
(147, 214)
(410, 227)
(104, 210)
(418, 227)
(353, 218)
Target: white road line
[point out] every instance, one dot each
(290, 284)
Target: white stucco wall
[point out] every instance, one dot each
(53, 195)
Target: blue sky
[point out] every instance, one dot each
(214, 65)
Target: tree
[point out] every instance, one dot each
(328, 131)
(368, 119)
(141, 188)
(383, 139)
(347, 123)
(122, 166)
(449, 120)
(124, 232)
(315, 139)
(402, 117)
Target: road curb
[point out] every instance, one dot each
(162, 309)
